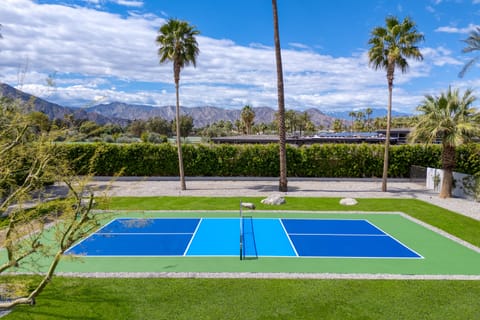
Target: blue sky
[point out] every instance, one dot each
(99, 51)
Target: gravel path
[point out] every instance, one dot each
(264, 275)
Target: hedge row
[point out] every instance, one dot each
(322, 160)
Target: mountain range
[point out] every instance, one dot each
(123, 113)
(202, 116)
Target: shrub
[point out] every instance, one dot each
(318, 160)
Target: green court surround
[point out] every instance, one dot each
(442, 256)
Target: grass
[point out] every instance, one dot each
(75, 298)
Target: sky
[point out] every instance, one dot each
(84, 52)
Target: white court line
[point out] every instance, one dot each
(288, 237)
(193, 236)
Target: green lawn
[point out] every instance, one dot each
(78, 298)
(69, 298)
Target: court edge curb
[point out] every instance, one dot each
(252, 275)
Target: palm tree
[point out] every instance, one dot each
(290, 121)
(452, 119)
(473, 44)
(368, 112)
(178, 44)
(283, 187)
(360, 120)
(303, 121)
(337, 125)
(380, 123)
(248, 116)
(352, 114)
(238, 125)
(390, 48)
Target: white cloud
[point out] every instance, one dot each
(452, 29)
(129, 3)
(100, 54)
(301, 46)
(440, 56)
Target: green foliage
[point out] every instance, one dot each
(186, 125)
(153, 137)
(342, 160)
(318, 160)
(468, 159)
(26, 151)
(403, 157)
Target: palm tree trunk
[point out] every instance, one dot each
(448, 164)
(283, 184)
(447, 183)
(177, 117)
(387, 135)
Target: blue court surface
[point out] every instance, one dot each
(258, 237)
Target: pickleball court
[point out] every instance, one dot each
(246, 237)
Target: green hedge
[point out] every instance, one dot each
(319, 160)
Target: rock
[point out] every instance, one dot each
(348, 202)
(274, 199)
(248, 205)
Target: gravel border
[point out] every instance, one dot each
(253, 275)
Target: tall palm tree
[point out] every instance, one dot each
(303, 121)
(283, 184)
(337, 125)
(391, 46)
(473, 44)
(248, 116)
(368, 112)
(291, 121)
(360, 120)
(352, 114)
(178, 44)
(452, 119)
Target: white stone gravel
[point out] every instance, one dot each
(255, 275)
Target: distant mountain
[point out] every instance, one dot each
(55, 111)
(123, 113)
(202, 116)
(376, 113)
(319, 118)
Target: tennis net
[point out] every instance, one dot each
(248, 247)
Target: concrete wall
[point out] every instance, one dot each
(461, 183)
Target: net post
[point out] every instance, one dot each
(241, 232)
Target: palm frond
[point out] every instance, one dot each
(177, 43)
(467, 67)
(449, 116)
(394, 43)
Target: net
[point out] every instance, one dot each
(249, 244)
(248, 247)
